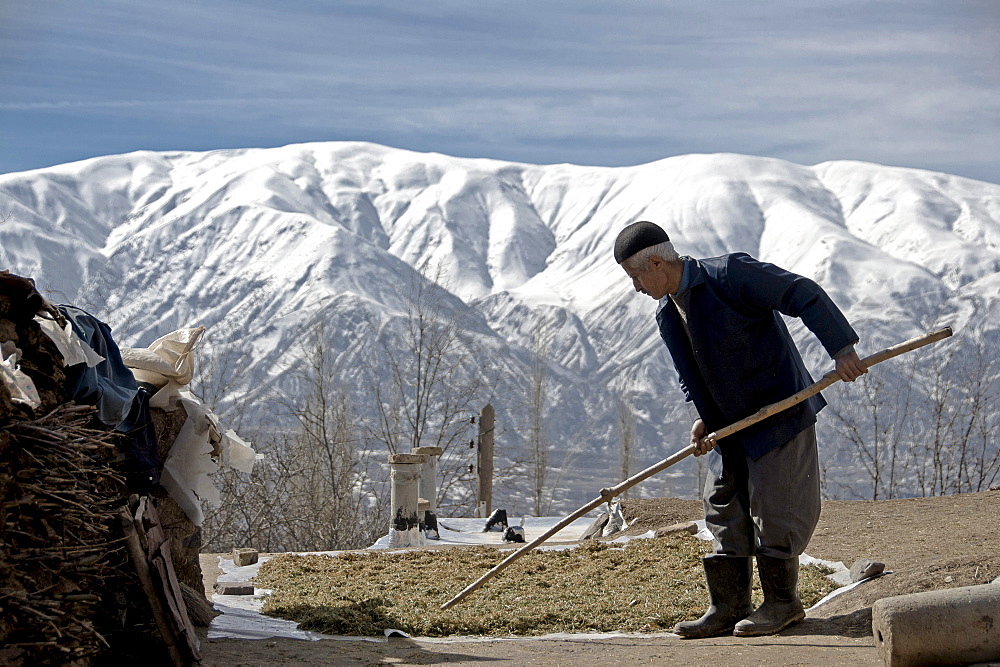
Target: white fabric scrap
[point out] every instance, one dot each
(21, 387)
(72, 348)
(200, 450)
(165, 397)
(201, 447)
(187, 472)
(236, 453)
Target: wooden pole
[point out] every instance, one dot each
(485, 460)
(138, 555)
(760, 415)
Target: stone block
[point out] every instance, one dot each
(595, 529)
(689, 527)
(244, 557)
(234, 588)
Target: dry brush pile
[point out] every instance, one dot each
(65, 578)
(59, 543)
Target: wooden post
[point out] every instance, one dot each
(404, 527)
(485, 461)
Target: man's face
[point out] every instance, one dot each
(651, 281)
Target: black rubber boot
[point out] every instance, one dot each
(728, 580)
(782, 608)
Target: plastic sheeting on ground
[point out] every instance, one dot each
(241, 617)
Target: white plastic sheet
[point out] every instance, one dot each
(242, 618)
(200, 450)
(72, 348)
(21, 387)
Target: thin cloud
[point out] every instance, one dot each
(611, 82)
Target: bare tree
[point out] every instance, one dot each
(425, 380)
(963, 396)
(312, 489)
(980, 462)
(925, 425)
(538, 445)
(222, 371)
(626, 432)
(326, 468)
(871, 422)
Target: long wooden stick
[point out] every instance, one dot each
(141, 565)
(760, 415)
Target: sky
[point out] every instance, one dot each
(912, 83)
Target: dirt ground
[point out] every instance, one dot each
(927, 543)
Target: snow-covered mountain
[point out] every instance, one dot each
(258, 243)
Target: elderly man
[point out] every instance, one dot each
(721, 321)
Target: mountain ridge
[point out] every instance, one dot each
(260, 242)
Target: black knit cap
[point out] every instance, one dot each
(636, 237)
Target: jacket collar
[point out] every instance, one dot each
(691, 275)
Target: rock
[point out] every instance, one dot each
(594, 530)
(431, 526)
(689, 527)
(996, 581)
(864, 568)
(243, 557)
(234, 588)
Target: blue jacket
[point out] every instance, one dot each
(740, 356)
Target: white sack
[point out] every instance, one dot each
(168, 359)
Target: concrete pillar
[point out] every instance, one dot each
(955, 626)
(404, 527)
(428, 489)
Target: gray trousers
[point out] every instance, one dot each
(769, 506)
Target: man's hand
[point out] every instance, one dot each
(698, 431)
(850, 366)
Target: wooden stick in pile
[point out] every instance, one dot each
(138, 555)
(760, 415)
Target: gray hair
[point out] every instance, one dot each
(640, 260)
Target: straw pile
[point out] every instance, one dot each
(645, 585)
(64, 573)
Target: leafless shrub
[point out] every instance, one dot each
(922, 426)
